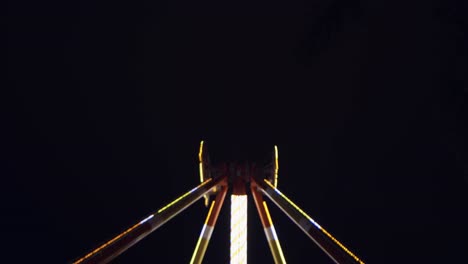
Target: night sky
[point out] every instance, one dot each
(106, 103)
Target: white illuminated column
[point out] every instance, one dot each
(238, 229)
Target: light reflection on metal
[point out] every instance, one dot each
(238, 229)
(146, 219)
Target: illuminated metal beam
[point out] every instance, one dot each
(208, 227)
(268, 226)
(114, 247)
(330, 245)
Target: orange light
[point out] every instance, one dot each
(110, 241)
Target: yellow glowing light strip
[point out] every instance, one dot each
(293, 204)
(275, 183)
(205, 234)
(267, 213)
(238, 248)
(200, 160)
(274, 236)
(182, 197)
(200, 167)
(315, 223)
(209, 211)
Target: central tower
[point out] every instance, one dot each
(238, 234)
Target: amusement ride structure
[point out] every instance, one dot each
(216, 181)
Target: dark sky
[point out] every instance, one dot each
(106, 102)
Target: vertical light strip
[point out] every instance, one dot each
(238, 229)
(200, 162)
(202, 176)
(275, 180)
